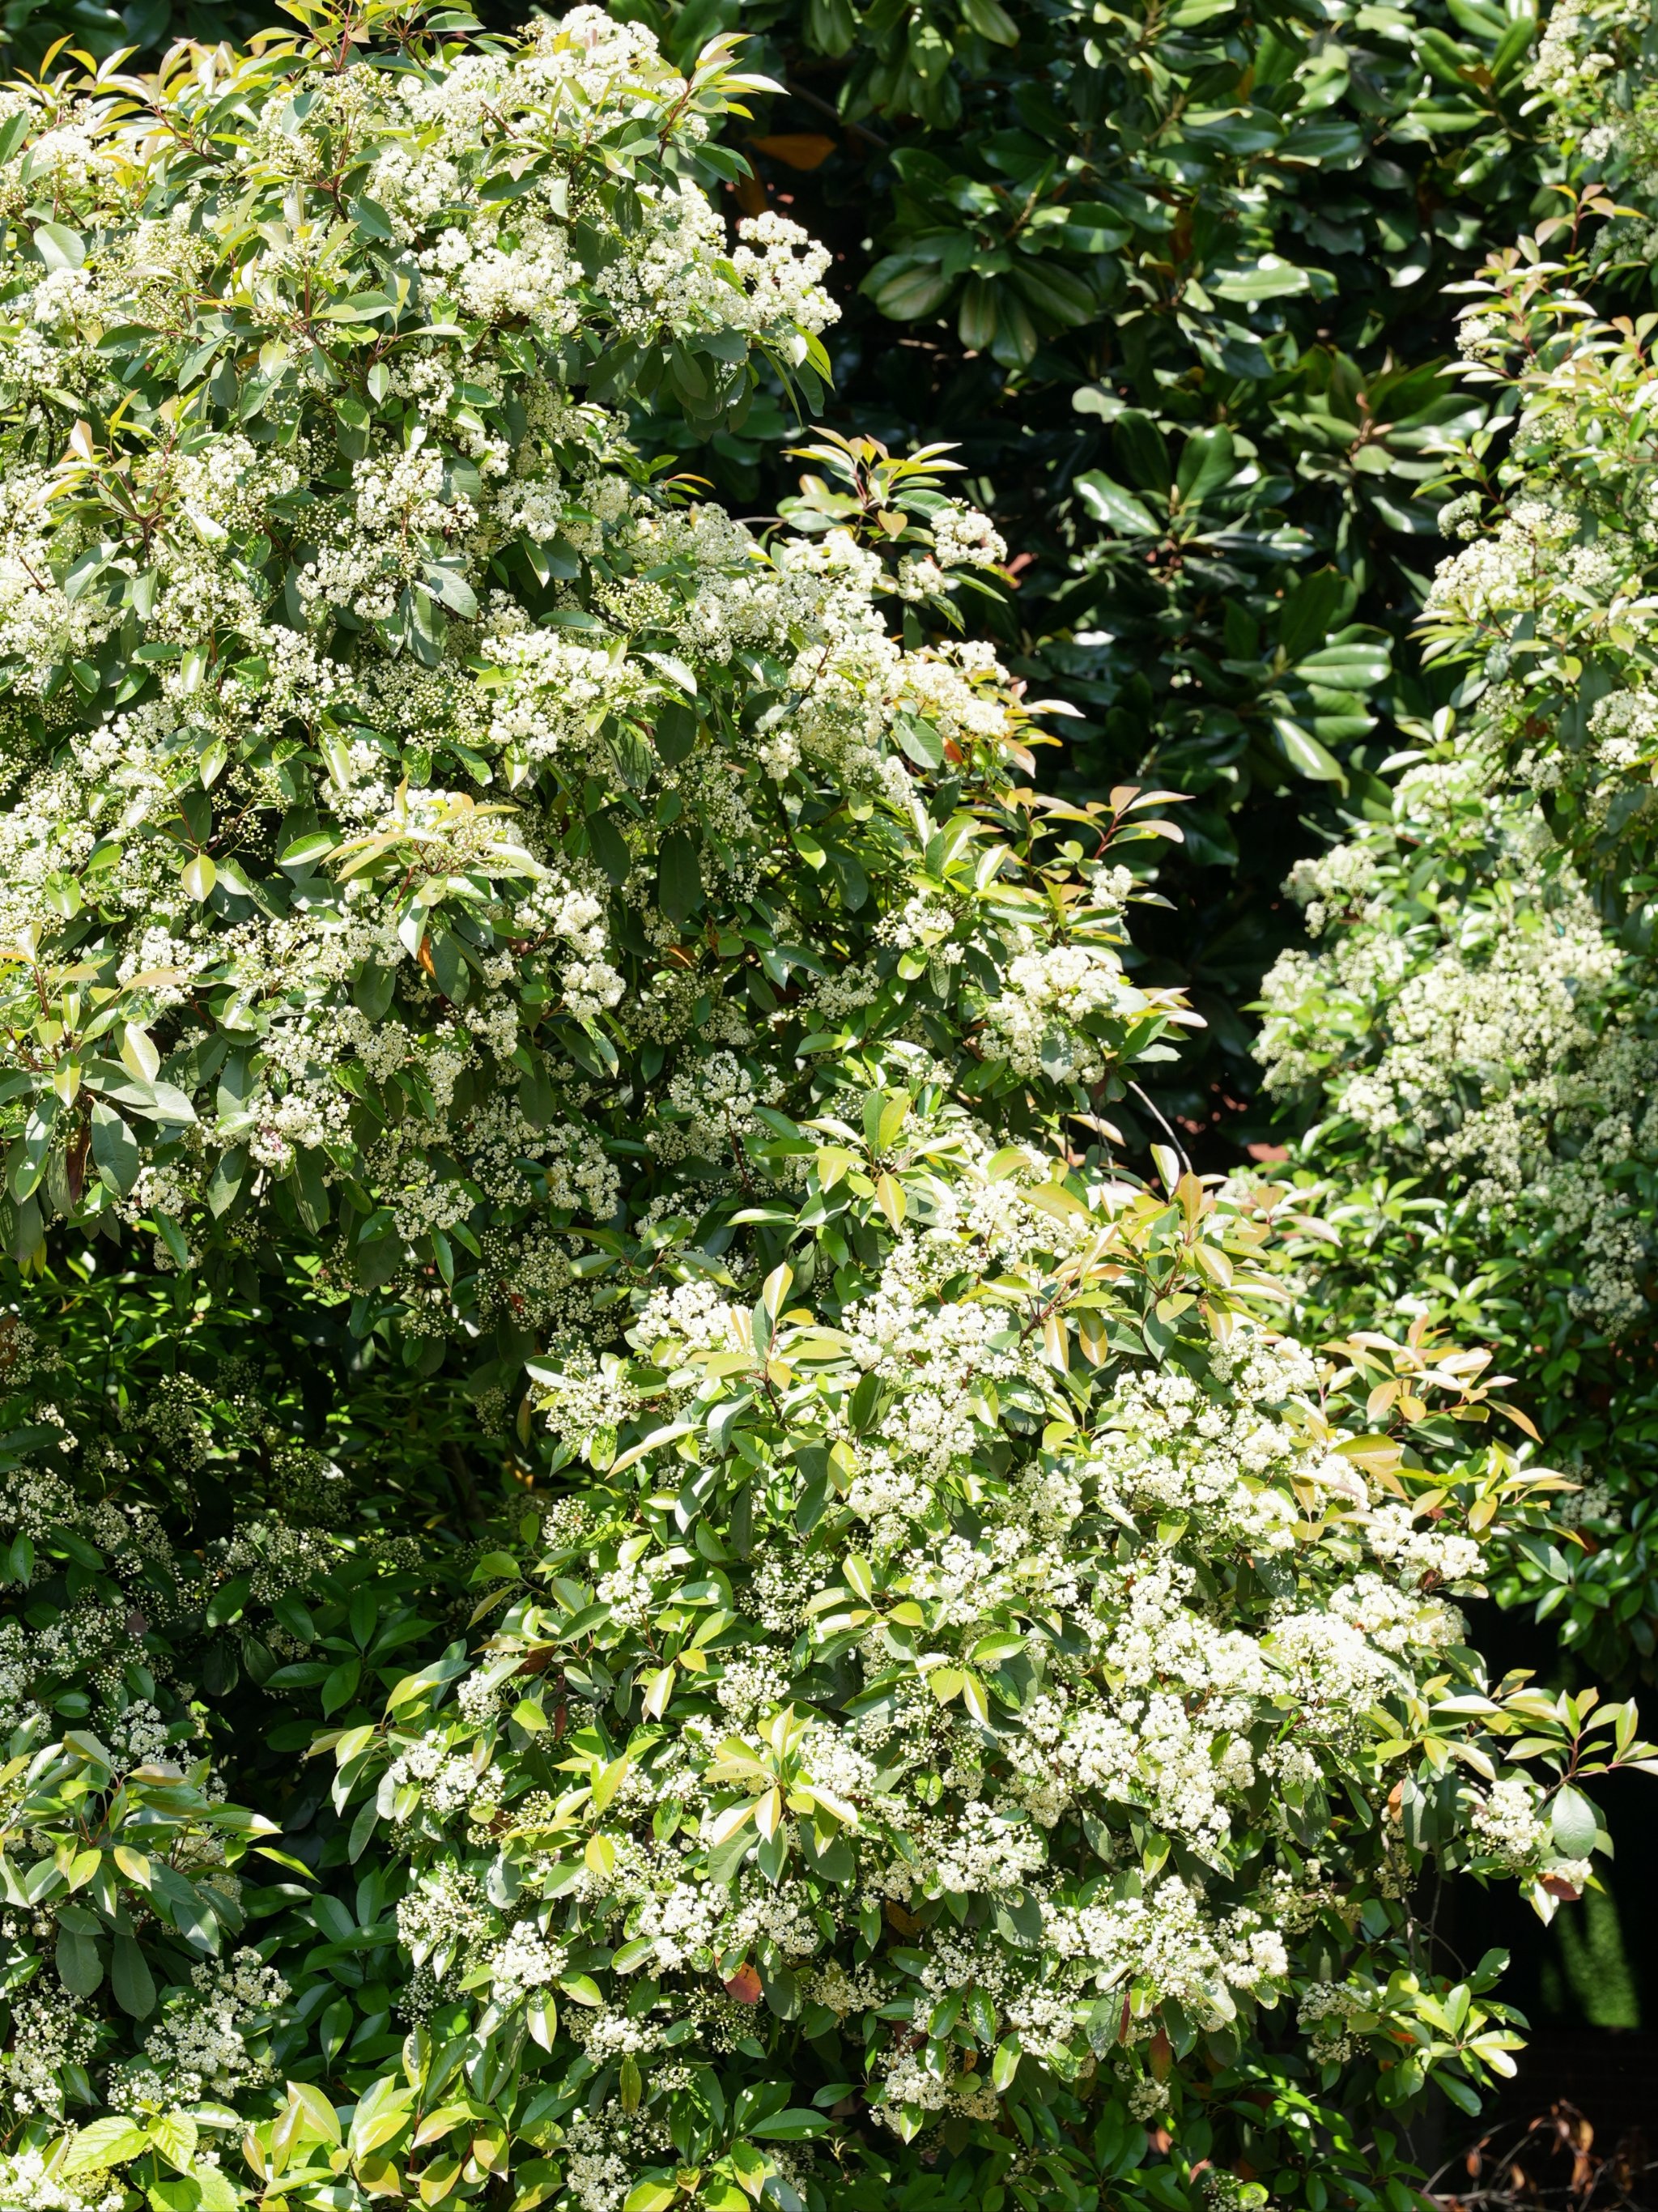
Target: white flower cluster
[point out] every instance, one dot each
(200, 2049)
(1507, 1821)
(1575, 50)
(50, 2031)
(1040, 1021)
(1476, 1022)
(395, 855)
(28, 2178)
(754, 1836)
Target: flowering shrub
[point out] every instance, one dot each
(1474, 1036)
(1475, 1023)
(1478, 1054)
(1173, 275)
(991, 1698)
(384, 867)
(570, 1263)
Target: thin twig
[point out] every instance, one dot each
(798, 92)
(1157, 1112)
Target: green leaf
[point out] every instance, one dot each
(198, 876)
(1270, 278)
(315, 2118)
(105, 2142)
(976, 318)
(380, 2115)
(1461, 2093)
(1311, 610)
(795, 2125)
(1056, 291)
(175, 2135)
(130, 1979)
(80, 1968)
(679, 877)
(541, 2018)
(1353, 667)
(1305, 754)
(907, 290)
(174, 2193)
(650, 2196)
(59, 247)
(1140, 445)
(449, 967)
(359, 308)
(991, 21)
(674, 730)
(1093, 229)
(227, 1601)
(372, 220)
(362, 1830)
(304, 851)
(1109, 503)
(609, 849)
(1573, 1824)
(1207, 461)
(114, 1148)
(453, 590)
(919, 740)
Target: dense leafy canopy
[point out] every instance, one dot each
(641, 1570)
(1173, 275)
(1472, 1036)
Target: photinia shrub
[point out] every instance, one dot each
(1174, 276)
(639, 1569)
(1472, 1037)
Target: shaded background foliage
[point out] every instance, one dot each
(1172, 276)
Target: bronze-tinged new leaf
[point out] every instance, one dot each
(744, 1986)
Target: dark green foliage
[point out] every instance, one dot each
(30, 28)
(1173, 277)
